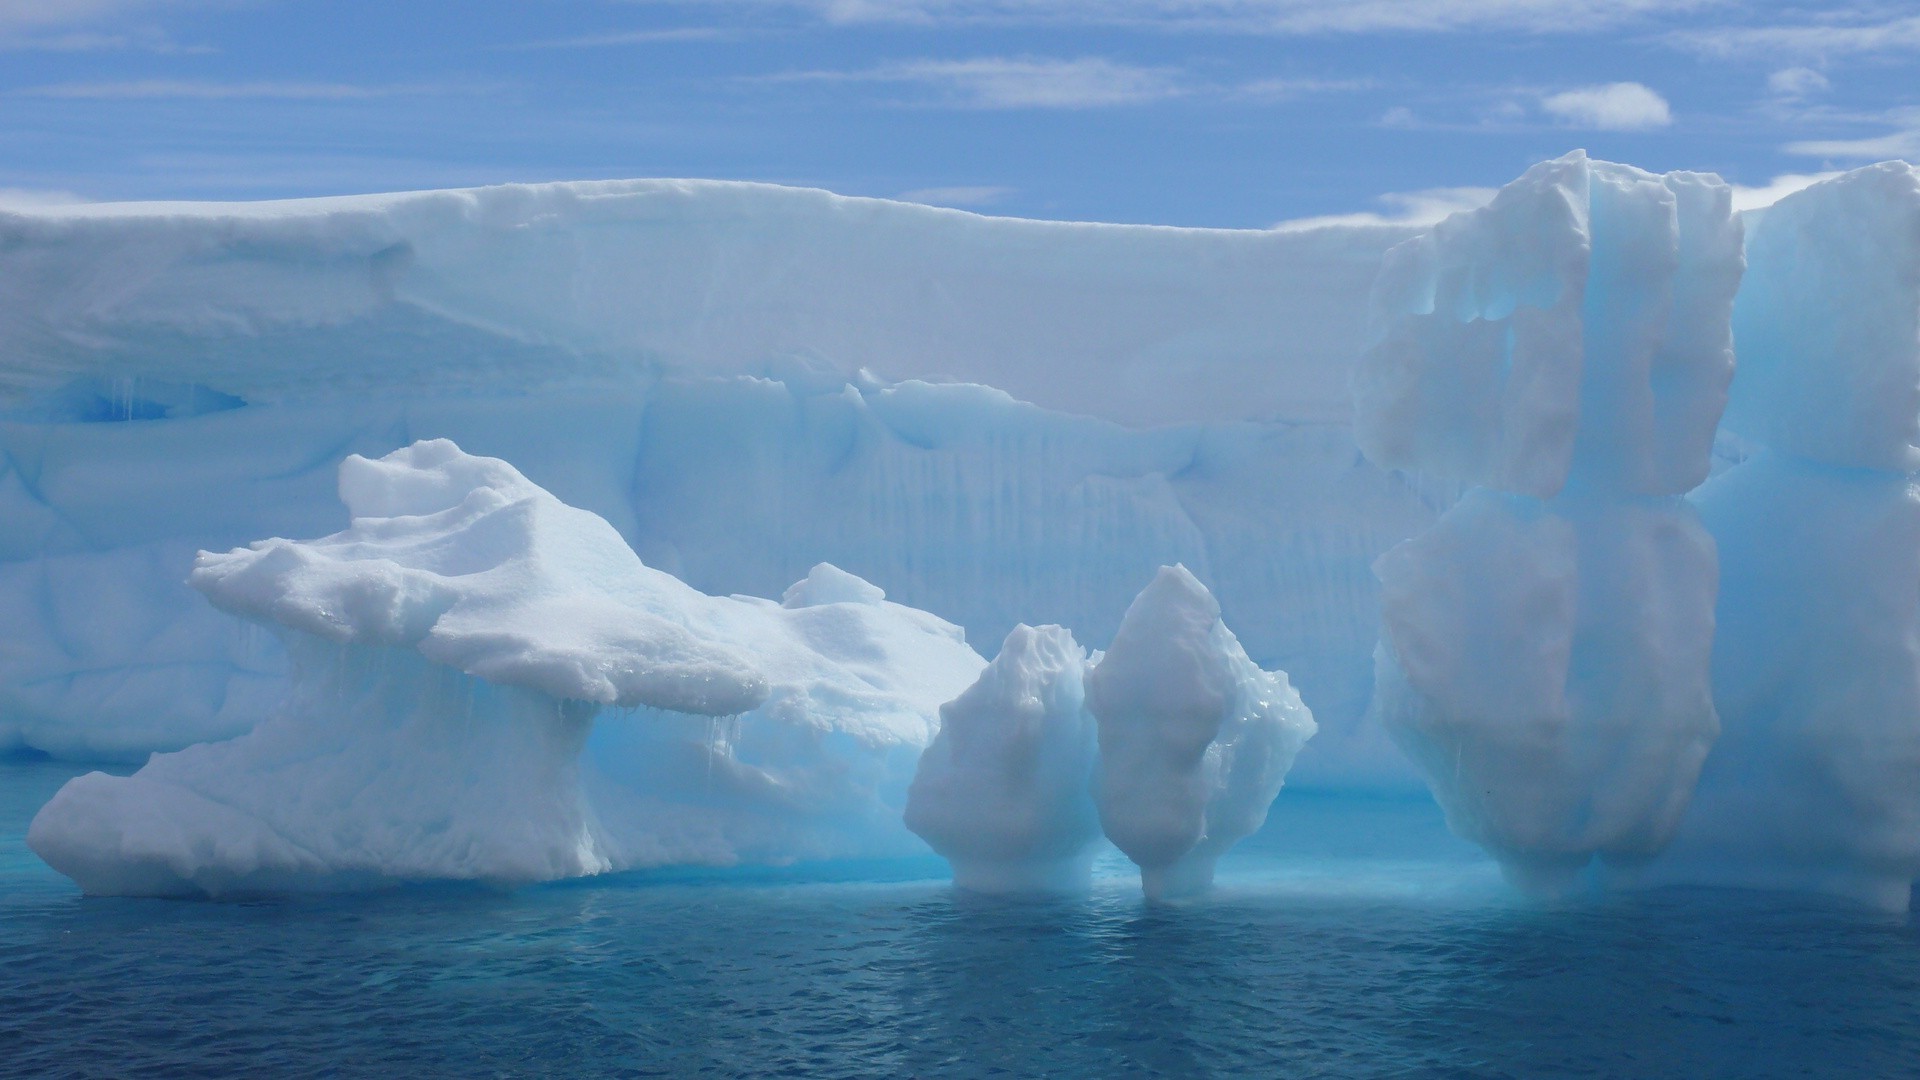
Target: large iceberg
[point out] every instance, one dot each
(452, 650)
(1546, 647)
(744, 380)
(1815, 783)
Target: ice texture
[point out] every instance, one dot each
(1004, 792)
(1829, 323)
(1547, 668)
(1195, 739)
(1546, 652)
(1815, 783)
(1577, 326)
(451, 652)
(744, 380)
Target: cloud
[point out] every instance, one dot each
(1822, 39)
(1621, 106)
(620, 38)
(1258, 16)
(1753, 198)
(21, 15)
(956, 196)
(1020, 82)
(181, 89)
(1402, 208)
(1901, 142)
(1796, 83)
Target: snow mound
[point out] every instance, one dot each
(451, 650)
(1004, 792)
(1195, 740)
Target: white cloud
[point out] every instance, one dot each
(1621, 106)
(619, 38)
(1797, 83)
(1901, 142)
(1753, 198)
(1019, 82)
(1821, 39)
(19, 15)
(956, 196)
(1402, 208)
(160, 89)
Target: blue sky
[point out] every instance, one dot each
(1191, 112)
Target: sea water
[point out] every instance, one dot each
(1350, 938)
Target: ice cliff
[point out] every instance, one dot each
(743, 380)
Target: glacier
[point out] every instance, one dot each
(1591, 512)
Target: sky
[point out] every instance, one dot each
(1234, 113)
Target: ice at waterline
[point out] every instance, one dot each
(457, 645)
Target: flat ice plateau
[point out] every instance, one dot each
(1591, 511)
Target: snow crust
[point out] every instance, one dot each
(451, 650)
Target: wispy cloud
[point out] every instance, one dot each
(1259, 16)
(182, 89)
(1037, 82)
(12, 198)
(1402, 208)
(985, 195)
(1621, 106)
(1019, 82)
(1903, 141)
(623, 38)
(1797, 83)
(1841, 34)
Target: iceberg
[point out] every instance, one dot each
(1815, 782)
(1004, 793)
(454, 650)
(1547, 644)
(1195, 739)
(1002, 421)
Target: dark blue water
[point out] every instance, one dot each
(1351, 938)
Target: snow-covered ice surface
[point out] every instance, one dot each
(452, 650)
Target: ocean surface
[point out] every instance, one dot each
(1352, 938)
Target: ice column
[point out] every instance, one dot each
(1815, 783)
(1005, 790)
(1545, 659)
(1195, 740)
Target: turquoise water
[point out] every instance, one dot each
(1351, 938)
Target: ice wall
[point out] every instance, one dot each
(1815, 782)
(452, 648)
(1546, 650)
(685, 360)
